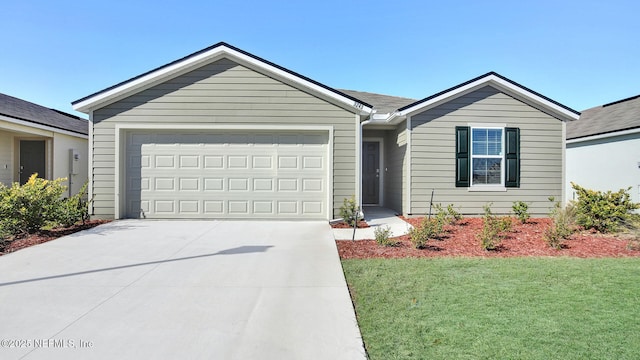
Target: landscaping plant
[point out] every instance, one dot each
(382, 236)
(603, 211)
(454, 215)
(563, 224)
(428, 229)
(350, 211)
(26, 209)
(494, 229)
(521, 210)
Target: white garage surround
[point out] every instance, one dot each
(270, 172)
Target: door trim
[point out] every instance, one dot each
(380, 142)
(121, 130)
(48, 156)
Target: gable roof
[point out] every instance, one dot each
(382, 103)
(201, 58)
(19, 109)
(609, 118)
(497, 81)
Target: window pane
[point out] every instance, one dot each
(486, 171)
(494, 141)
(487, 141)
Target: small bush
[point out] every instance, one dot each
(603, 211)
(74, 209)
(26, 209)
(453, 214)
(382, 236)
(521, 210)
(428, 229)
(493, 229)
(447, 216)
(350, 211)
(563, 224)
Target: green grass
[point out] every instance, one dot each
(514, 308)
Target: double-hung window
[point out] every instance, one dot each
(487, 157)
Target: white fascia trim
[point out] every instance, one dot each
(395, 118)
(498, 83)
(604, 136)
(120, 191)
(41, 127)
(200, 59)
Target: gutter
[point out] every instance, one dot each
(603, 136)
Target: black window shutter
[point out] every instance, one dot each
(512, 157)
(462, 156)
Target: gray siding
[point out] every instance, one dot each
(223, 92)
(433, 153)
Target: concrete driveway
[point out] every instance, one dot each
(179, 290)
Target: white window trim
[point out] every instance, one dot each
(487, 187)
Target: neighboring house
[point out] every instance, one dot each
(36, 139)
(603, 148)
(222, 133)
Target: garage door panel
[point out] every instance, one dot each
(226, 175)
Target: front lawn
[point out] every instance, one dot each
(498, 308)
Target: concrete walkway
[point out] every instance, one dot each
(139, 289)
(375, 216)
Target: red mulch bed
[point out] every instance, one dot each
(48, 235)
(343, 225)
(523, 240)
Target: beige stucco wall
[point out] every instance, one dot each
(61, 145)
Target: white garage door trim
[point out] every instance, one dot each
(120, 147)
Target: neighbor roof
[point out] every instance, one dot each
(27, 111)
(613, 117)
(203, 57)
(384, 104)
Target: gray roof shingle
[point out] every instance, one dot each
(383, 103)
(616, 116)
(28, 111)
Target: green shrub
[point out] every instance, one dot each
(494, 229)
(446, 216)
(74, 209)
(453, 214)
(563, 224)
(350, 211)
(382, 236)
(603, 211)
(521, 210)
(25, 209)
(428, 229)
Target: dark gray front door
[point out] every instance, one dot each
(370, 172)
(32, 159)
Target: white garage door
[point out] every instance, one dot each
(226, 174)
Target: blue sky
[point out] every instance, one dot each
(580, 53)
